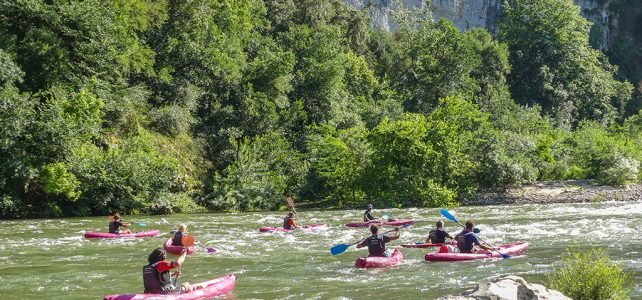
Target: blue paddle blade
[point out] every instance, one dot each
(140, 224)
(448, 215)
(338, 249)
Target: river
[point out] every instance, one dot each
(49, 258)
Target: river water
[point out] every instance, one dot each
(49, 259)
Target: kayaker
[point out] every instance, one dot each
(439, 235)
(116, 223)
(288, 222)
(178, 236)
(377, 243)
(156, 275)
(467, 240)
(367, 216)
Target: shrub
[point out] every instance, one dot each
(589, 275)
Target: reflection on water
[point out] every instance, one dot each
(49, 259)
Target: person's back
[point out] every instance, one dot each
(377, 243)
(178, 236)
(439, 235)
(466, 240)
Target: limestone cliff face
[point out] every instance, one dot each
(466, 14)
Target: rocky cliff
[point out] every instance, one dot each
(466, 14)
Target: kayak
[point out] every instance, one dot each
(106, 235)
(389, 223)
(204, 290)
(177, 249)
(379, 262)
(310, 227)
(445, 253)
(426, 245)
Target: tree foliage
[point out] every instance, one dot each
(155, 106)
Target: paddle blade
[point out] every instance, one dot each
(505, 255)
(385, 217)
(338, 249)
(448, 215)
(211, 250)
(140, 224)
(290, 201)
(188, 240)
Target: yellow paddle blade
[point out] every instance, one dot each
(290, 202)
(188, 240)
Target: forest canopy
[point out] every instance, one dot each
(158, 106)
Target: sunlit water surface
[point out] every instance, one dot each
(49, 259)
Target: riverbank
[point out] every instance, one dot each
(570, 191)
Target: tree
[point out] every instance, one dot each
(554, 65)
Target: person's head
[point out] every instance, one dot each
(369, 206)
(470, 225)
(290, 214)
(157, 255)
(374, 229)
(182, 228)
(116, 217)
(440, 224)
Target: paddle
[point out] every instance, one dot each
(340, 248)
(291, 203)
(209, 249)
(449, 216)
(111, 219)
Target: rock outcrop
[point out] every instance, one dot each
(466, 14)
(509, 288)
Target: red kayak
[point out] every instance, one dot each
(379, 261)
(177, 249)
(310, 227)
(389, 223)
(445, 253)
(106, 235)
(205, 290)
(425, 245)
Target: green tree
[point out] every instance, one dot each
(554, 65)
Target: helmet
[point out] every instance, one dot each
(369, 206)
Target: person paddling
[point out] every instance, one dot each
(367, 216)
(116, 223)
(178, 236)
(439, 235)
(467, 240)
(156, 275)
(289, 223)
(377, 243)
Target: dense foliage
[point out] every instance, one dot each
(158, 106)
(590, 275)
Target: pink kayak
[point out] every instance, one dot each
(379, 262)
(426, 245)
(310, 227)
(389, 223)
(177, 249)
(205, 290)
(106, 235)
(444, 253)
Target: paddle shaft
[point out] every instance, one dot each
(291, 203)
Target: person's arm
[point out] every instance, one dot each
(179, 262)
(293, 224)
(362, 243)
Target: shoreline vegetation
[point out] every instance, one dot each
(160, 107)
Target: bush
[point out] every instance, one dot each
(589, 275)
